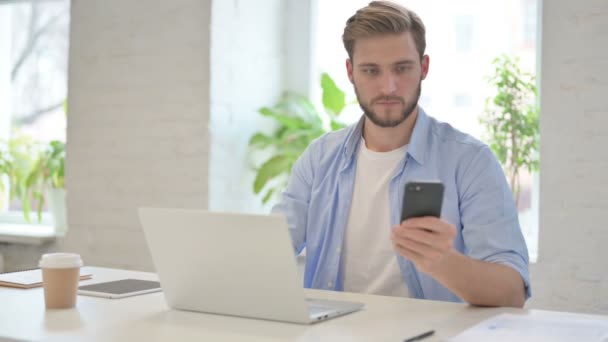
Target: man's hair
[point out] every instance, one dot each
(381, 18)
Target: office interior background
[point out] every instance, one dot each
(163, 98)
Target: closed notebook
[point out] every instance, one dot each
(30, 278)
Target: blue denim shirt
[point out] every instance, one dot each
(477, 201)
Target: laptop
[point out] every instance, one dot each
(231, 264)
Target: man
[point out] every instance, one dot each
(344, 197)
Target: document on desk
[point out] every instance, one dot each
(31, 278)
(537, 326)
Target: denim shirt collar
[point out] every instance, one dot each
(418, 144)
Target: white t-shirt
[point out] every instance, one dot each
(369, 261)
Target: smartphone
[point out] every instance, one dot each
(422, 199)
(120, 288)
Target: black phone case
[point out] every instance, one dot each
(422, 199)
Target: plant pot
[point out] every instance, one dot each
(57, 208)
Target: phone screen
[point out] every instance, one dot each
(422, 199)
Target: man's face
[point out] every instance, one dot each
(387, 73)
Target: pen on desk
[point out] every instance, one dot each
(420, 337)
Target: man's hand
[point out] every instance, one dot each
(426, 241)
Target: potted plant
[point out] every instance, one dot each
(35, 174)
(298, 124)
(511, 120)
(46, 178)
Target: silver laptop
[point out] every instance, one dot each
(231, 264)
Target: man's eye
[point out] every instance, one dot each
(371, 71)
(402, 68)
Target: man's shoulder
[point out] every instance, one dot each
(463, 150)
(445, 134)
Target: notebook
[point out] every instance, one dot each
(28, 279)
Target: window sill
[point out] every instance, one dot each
(27, 234)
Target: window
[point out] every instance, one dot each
(462, 100)
(33, 80)
(464, 33)
(462, 40)
(529, 17)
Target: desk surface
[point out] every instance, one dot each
(147, 318)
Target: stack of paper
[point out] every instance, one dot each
(30, 278)
(538, 326)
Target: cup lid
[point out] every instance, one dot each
(60, 260)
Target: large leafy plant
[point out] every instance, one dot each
(32, 167)
(511, 119)
(298, 124)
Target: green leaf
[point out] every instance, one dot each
(38, 195)
(270, 169)
(260, 140)
(268, 196)
(288, 121)
(334, 99)
(336, 125)
(25, 203)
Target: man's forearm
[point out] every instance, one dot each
(480, 283)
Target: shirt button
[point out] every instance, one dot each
(330, 285)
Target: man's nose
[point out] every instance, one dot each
(389, 84)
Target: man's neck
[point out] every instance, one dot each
(385, 139)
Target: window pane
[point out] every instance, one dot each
(33, 76)
(39, 32)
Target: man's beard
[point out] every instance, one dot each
(407, 110)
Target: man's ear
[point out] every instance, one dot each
(349, 70)
(425, 65)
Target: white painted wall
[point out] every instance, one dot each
(572, 269)
(247, 59)
(138, 121)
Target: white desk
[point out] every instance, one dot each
(147, 318)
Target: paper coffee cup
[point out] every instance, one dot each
(60, 277)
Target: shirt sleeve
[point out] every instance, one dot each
(295, 198)
(490, 222)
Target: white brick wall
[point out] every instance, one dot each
(138, 121)
(571, 273)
